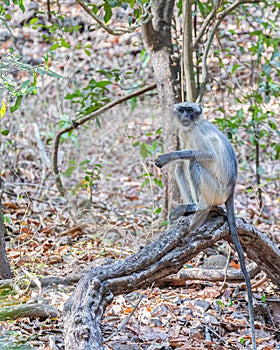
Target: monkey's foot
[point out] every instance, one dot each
(182, 210)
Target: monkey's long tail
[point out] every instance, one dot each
(238, 247)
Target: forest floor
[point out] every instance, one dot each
(49, 236)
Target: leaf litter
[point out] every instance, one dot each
(44, 240)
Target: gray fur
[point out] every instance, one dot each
(204, 150)
(206, 176)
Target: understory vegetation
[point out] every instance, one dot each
(81, 123)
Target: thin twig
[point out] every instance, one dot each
(209, 329)
(98, 20)
(226, 267)
(124, 322)
(78, 122)
(206, 23)
(146, 16)
(45, 160)
(222, 15)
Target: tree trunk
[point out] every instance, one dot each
(188, 52)
(157, 39)
(5, 270)
(83, 311)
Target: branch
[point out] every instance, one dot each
(188, 52)
(78, 122)
(83, 311)
(41, 311)
(206, 274)
(146, 16)
(206, 23)
(222, 15)
(118, 31)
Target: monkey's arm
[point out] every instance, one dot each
(191, 155)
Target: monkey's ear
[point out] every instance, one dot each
(200, 108)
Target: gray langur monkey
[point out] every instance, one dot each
(206, 175)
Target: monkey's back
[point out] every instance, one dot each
(222, 167)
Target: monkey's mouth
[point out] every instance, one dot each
(185, 122)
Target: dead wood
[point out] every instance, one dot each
(5, 269)
(83, 311)
(175, 280)
(214, 275)
(41, 311)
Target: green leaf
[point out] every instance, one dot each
(242, 341)
(17, 104)
(103, 83)
(230, 303)
(157, 182)
(272, 125)
(54, 74)
(54, 46)
(24, 86)
(235, 67)
(50, 73)
(159, 131)
(143, 150)
(34, 20)
(21, 5)
(157, 211)
(70, 170)
(145, 183)
(108, 12)
(64, 43)
(5, 132)
(87, 52)
(164, 223)
(133, 103)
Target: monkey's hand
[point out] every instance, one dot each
(162, 160)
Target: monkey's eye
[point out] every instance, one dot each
(181, 110)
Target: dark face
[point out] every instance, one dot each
(187, 113)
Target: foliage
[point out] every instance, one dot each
(35, 245)
(136, 9)
(147, 149)
(256, 114)
(10, 66)
(91, 97)
(18, 3)
(259, 122)
(92, 175)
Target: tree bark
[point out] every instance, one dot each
(157, 39)
(83, 311)
(188, 52)
(5, 270)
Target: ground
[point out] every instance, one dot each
(47, 235)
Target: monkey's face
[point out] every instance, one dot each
(187, 113)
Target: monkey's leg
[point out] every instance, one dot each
(184, 182)
(199, 190)
(182, 175)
